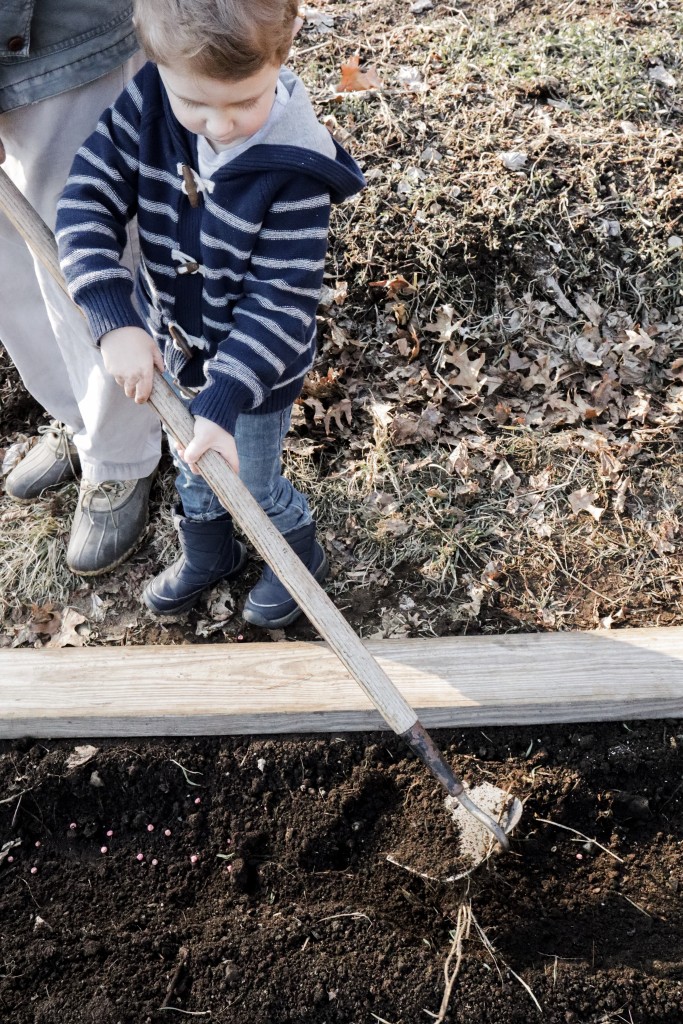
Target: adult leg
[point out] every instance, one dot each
(118, 443)
(46, 338)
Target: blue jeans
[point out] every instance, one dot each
(259, 441)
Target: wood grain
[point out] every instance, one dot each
(301, 687)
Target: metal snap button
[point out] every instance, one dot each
(15, 44)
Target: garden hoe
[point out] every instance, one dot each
(478, 813)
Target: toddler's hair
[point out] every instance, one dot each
(224, 39)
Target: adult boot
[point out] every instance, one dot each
(209, 553)
(50, 462)
(108, 525)
(269, 604)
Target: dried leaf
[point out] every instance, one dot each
(337, 412)
(409, 428)
(661, 76)
(319, 20)
(502, 473)
(392, 527)
(81, 755)
(468, 377)
(68, 635)
(459, 460)
(44, 620)
(582, 501)
(412, 79)
(586, 352)
(355, 80)
(13, 456)
(589, 307)
(663, 538)
(513, 160)
(444, 324)
(333, 296)
(394, 285)
(221, 604)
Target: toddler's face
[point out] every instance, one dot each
(223, 112)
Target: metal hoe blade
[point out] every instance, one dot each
(474, 835)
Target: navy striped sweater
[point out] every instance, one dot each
(231, 267)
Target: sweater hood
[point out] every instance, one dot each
(296, 142)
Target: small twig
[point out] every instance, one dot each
(634, 904)
(9, 799)
(16, 809)
(356, 913)
(546, 821)
(492, 951)
(310, 49)
(188, 1013)
(462, 931)
(30, 893)
(183, 953)
(187, 772)
(433, 878)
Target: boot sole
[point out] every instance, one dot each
(89, 573)
(254, 618)
(35, 497)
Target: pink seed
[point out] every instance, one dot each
(228, 867)
(10, 859)
(141, 856)
(155, 862)
(103, 849)
(194, 858)
(198, 800)
(73, 825)
(110, 832)
(150, 828)
(167, 831)
(37, 842)
(579, 856)
(34, 871)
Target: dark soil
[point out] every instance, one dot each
(292, 912)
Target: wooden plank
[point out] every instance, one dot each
(223, 689)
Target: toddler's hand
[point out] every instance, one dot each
(130, 355)
(208, 434)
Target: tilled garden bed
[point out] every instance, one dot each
(247, 881)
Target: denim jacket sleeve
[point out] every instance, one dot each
(50, 46)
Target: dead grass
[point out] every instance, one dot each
(584, 101)
(32, 565)
(491, 439)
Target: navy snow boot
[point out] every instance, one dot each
(269, 603)
(210, 553)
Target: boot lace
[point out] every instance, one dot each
(110, 490)
(60, 432)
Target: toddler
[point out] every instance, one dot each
(215, 147)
